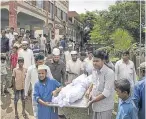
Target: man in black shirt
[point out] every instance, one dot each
(4, 42)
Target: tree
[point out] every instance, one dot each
(122, 39)
(124, 15)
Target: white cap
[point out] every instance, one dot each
(142, 65)
(60, 47)
(24, 42)
(73, 52)
(70, 46)
(41, 67)
(56, 51)
(15, 34)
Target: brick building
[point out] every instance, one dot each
(49, 16)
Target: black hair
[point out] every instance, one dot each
(19, 36)
(27, 31)
(12, 28)
(126, 52)
(106, 57)
(3, 57)
(99, 54)
(15, 47)
(90, 51)
(39, 57)
(20, 59)
(123, 85)
(83, 53)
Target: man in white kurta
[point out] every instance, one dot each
(32, 77)
(27, 54)
(68, 53)
(43, 43)
(89, 63)
(125, 69)
(73, 67)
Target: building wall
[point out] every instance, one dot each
(38, 9)
(61, 10)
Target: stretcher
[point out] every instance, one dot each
(82, 104)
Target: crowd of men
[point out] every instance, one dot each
(45, 75)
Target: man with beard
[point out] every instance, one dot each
(44, 89)
(31, 78)
(27, 54)
(73, 67)
(57, 67)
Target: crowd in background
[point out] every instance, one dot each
(30, 59)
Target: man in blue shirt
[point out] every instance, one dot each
(127, 108)
(44, 89)
(139, 92)
(63, 44)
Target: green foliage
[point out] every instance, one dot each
(122, 39)
(123, 15)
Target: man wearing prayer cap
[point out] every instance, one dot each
(57, 67)
(68, 53)
(73, 67)
(27, 54)
(139, 92)
(32, 78)
(44, 89)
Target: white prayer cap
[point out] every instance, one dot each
(60, 47)
(73, 52)
(24, 42)
(41, 67)
(56, 51)
(15, 34)
(70, 46)
(142, 65)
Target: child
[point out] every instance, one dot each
(126, 108)
(18, 77)
(14, 58)
(4, 76)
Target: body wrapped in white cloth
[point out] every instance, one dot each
(72, 92)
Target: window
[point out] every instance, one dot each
(61, 15)
(56, 10)
(64, 16)
(49, 6)
(70, 19)
(52, 10)
(39, 3)
(44, 5)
